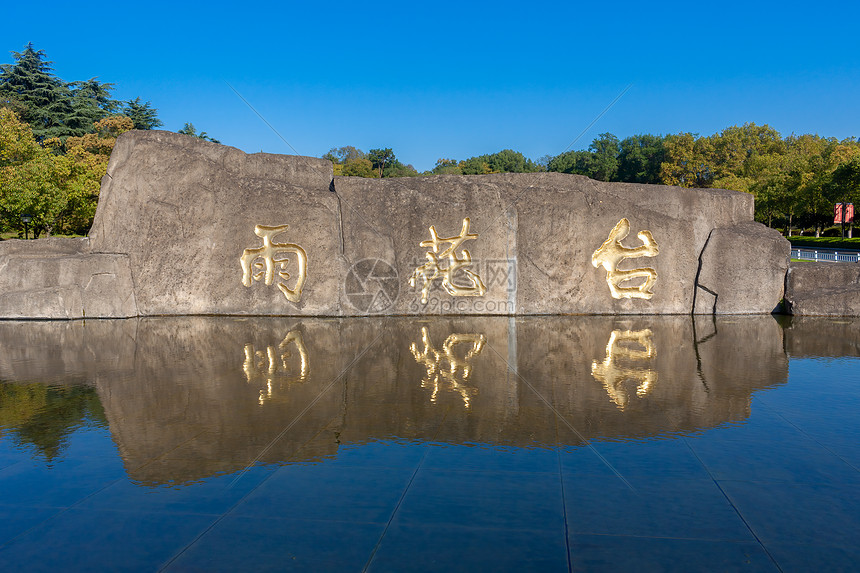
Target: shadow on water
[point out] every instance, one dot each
(191, 397)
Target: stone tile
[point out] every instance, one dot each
(763, 458)
(803, 558)
(86, 540)
(485, 457)
(212, 496)
(17, 520)
(61, 484)
(265, 544)
(328, 493)
(623, 553)
(414, 548)
(682, 508)
(783, 513)
(379, 454)
(511, 500)
(663, 458)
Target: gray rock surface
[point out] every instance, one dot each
(200, 228)
(61, 279)
(184, 211)
(823, 289)
(743, 269)
(536, 236)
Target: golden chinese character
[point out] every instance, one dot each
(612, 252)
(613, 376)
(430, 271)
(456, 375)
(270, 259)
(267, 367)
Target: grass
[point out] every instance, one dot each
(829, 242)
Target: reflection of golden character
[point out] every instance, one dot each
(456, 375)
(266, 261)
(612, 252)
(430, 271)
(613, 376)
(273, 365)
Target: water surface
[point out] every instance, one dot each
(474, 443)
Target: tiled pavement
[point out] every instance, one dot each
(780, 492)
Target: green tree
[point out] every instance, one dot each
(91, 102)
(60, 191)
(640, 159)
(142, 114)
(447, 167)
(380, 158)
(189, 129)
(41, 99)
(604, 157)
(505, 161)
(358, 167)
(574, 162)
(846, 183)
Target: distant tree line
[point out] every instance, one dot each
(795, 179)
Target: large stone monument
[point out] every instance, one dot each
(184, 226)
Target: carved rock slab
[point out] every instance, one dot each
(185, 226)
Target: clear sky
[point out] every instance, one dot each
(459, 79)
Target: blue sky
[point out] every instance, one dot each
(460, 79)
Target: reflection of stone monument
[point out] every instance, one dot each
(454, 377)
(277, 366)
(337, 383)
(175, 214)
(625, 363)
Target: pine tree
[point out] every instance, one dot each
(30, 88)
(142, 114)
(91, 102)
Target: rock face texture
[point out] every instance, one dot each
(185, 226)
(823, 289)
(62, 279)
(742, 266)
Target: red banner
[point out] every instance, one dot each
(849, 213)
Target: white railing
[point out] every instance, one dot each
(810, 254)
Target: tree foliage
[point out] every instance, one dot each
(59, 190)
(142, 114)
(189, 129)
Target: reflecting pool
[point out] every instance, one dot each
(400, 444)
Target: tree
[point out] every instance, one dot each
(358, 167)
(143, 115)
(640, 158)
(41, 98)
(505, 161)
(688, 161)
(575, 162)
(189, 129)
(447, 167)
(91, 102)
(60, 191)
(380, 158)
(846, 183)
(604, 157)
